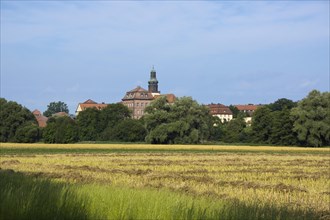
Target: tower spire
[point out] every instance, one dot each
(153, 82)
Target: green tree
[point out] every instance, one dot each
(28, 133)
(312, 119)
(128, 130)
(183, 122)
(262, 125)
(234, 110)
(217, 131)
(55, 107)
(88, 122)
(282, 128)
(113, 114)
(61, 130)
(234, 130)
(282, 104)
(12, 117)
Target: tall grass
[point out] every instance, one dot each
(26, 197)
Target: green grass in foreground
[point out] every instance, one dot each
(26, 197)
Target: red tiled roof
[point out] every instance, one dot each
(89, 101)
(170, 98)
(138, 93)
(42, 120)
(138, 89)
(36, 112)
(91, 104)
(247, 107)
(216, 109)
(97, 106)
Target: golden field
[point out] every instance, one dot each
(164, 147)
(297, 178)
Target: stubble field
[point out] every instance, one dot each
(269, 182)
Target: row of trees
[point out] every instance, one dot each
(112, 123)
(284, 122)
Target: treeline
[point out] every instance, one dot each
(112, 123)
(284, 122)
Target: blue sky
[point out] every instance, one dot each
(214, 51)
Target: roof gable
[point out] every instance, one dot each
(138, 93)
(138, 89)
(89, 101)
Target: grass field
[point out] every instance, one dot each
(170, 182)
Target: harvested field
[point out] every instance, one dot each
(297, 178)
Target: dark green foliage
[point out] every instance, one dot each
(13, 117)
(113, 114)
(88, 122)
(217, 131)
(234, 130)
(234, 110)
(262, 125)
(61, 130)
(184, 122)
(128, 130)
(55, 107)
(282, 104)
(112, 123)
(282, 128)
(272, 124)
(312, 119)
(28, 133)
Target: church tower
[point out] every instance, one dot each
(153, 82)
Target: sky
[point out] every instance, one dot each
(229, 52)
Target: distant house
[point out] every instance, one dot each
(41, 119)
(248, 109)
(90, 104)
(139, 98)
(221, 111)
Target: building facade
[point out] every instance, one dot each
(136, 100)
(221, 111)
